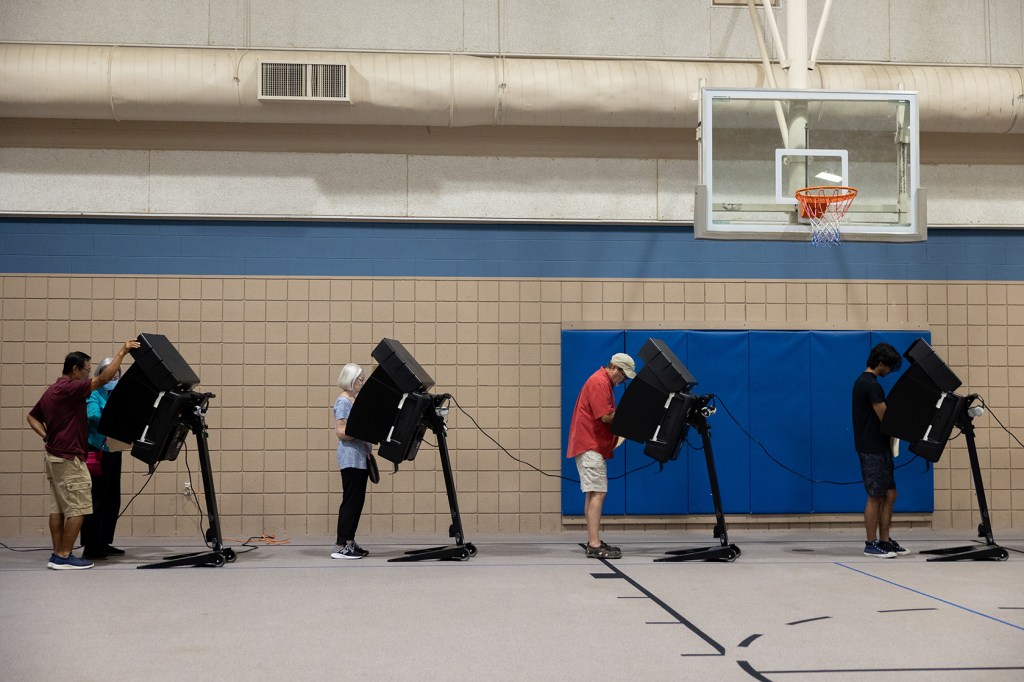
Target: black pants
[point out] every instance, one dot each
(353, 495)
(98, 527)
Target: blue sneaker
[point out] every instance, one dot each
(878, 549)
(894, 546)
(72, 563)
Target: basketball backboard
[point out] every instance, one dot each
(758, 147)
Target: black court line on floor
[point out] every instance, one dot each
(617, 574)
(749, 640)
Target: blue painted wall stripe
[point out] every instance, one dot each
(184, 247)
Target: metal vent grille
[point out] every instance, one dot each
(288, 80)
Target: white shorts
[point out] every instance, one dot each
(593, 472)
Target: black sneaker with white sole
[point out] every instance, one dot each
(603, 552)
(347, 552)
(894, 546)
(879, 550)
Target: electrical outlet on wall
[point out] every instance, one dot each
(187, 492)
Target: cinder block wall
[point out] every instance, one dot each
(271, 348)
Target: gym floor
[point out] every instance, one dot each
(793, 606)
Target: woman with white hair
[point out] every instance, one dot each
(105, 471)
(352, 460)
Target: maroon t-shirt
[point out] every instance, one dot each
(62, 409)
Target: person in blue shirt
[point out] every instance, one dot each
(105, 471)
(352, 461)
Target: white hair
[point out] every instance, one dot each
(348, 375)
(103, 365)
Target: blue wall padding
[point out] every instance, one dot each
(790, 390)
(721, 359)
(656, 490)
(833, 457)
(583, 352)
(780, 402)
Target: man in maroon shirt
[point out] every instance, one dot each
(60, 420)
(591, 442)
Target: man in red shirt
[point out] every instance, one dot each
(591, 442)
(60, 420)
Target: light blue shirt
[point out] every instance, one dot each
(351, 453)
(94, 409)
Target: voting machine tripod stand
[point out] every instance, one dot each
(461, 550)
(698, 419)
(217, 555)
(990, 550)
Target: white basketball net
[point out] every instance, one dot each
(825, 207)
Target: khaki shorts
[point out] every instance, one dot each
(70, 486)
(593, 472)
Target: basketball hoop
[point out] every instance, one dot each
(825, 208)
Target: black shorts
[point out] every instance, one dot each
(877, 470)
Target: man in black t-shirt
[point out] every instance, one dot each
(875, 452)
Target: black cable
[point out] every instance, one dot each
(541, 471)
(989, 409)
(246, 544)
(780, 464)
(191, 487)
(129, 503)
(29, 549)
(627, 473)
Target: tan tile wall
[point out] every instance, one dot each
(271, 349)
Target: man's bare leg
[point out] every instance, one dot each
(593, 507)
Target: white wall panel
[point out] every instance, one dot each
(938, 31)
(858, 31)
(74, 180)
(982, 196)
(355, 25)
(124, 22)
(480, 26)
(917, 31)
(253, 183)
(653, 28)
(228, 23)
(732, 34)
(532, 189)
(1006, 31)
(676, 182)
(195, 183)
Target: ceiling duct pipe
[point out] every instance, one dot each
(420, 89)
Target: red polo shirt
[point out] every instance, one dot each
(587, 431)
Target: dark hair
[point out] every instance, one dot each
(76, 359)
(884, 354)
